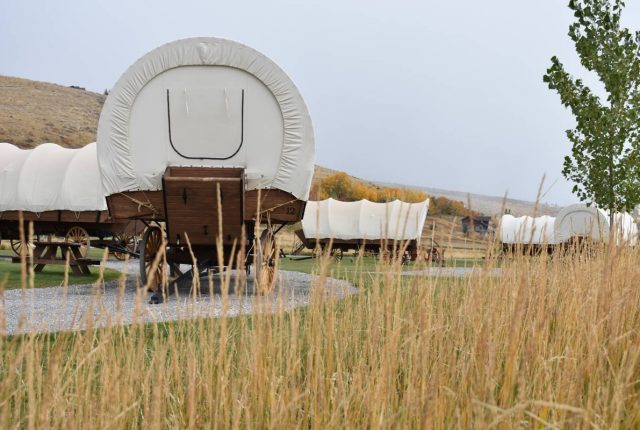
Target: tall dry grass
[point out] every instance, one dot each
(551, 343)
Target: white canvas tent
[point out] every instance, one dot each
(364, 220)
(50, 177)
(591, 222)
(205, 102)
(527, 230)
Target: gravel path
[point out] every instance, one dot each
(81, 306)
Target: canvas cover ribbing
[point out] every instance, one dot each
(364, 220)
(527, 230)
(205, 102)
(50, 177)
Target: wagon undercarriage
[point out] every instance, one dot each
(208, 222)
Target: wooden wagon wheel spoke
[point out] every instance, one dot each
(126, 241)
(152, 244)
(80, 236)
(266, 267)
(16, 246)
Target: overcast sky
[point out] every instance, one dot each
(444, 94)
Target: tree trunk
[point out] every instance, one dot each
(613, 234)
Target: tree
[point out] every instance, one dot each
(604, 160)
(337, 186)
(444, 206)
(341, 186)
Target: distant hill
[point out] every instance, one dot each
(489, 205)
(493, 205)
(33, 112)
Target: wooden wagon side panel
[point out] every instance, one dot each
(84, 217)
(62, 219)
(278, 205)
(8, 229)
(146, 205)
(52, 216)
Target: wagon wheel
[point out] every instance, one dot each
(126, 241)
(152, 243)
(265, 261)
(434, 255)
(80, 236)
(16, 246)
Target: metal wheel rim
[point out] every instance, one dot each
(81, 236)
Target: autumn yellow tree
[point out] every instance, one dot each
(338, 186)
(341, 186)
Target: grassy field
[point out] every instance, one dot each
(552, 343)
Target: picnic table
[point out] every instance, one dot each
(47, 253)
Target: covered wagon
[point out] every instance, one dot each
(579, 222)
(58, 190)
(573, 224)
(527, 234)
(343, 226)
(205, 140)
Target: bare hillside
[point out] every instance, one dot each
(493, 205)
(33, 112)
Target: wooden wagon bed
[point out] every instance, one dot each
(76, 227)
(276, 205)
(340, 246)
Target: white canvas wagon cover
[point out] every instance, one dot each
(584, 221)
(364, 220)
(527, 230)
(205, 102)
(50, 177)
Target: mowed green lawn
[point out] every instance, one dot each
(350, 264)
(51, 276)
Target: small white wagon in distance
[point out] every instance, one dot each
(574, 225)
